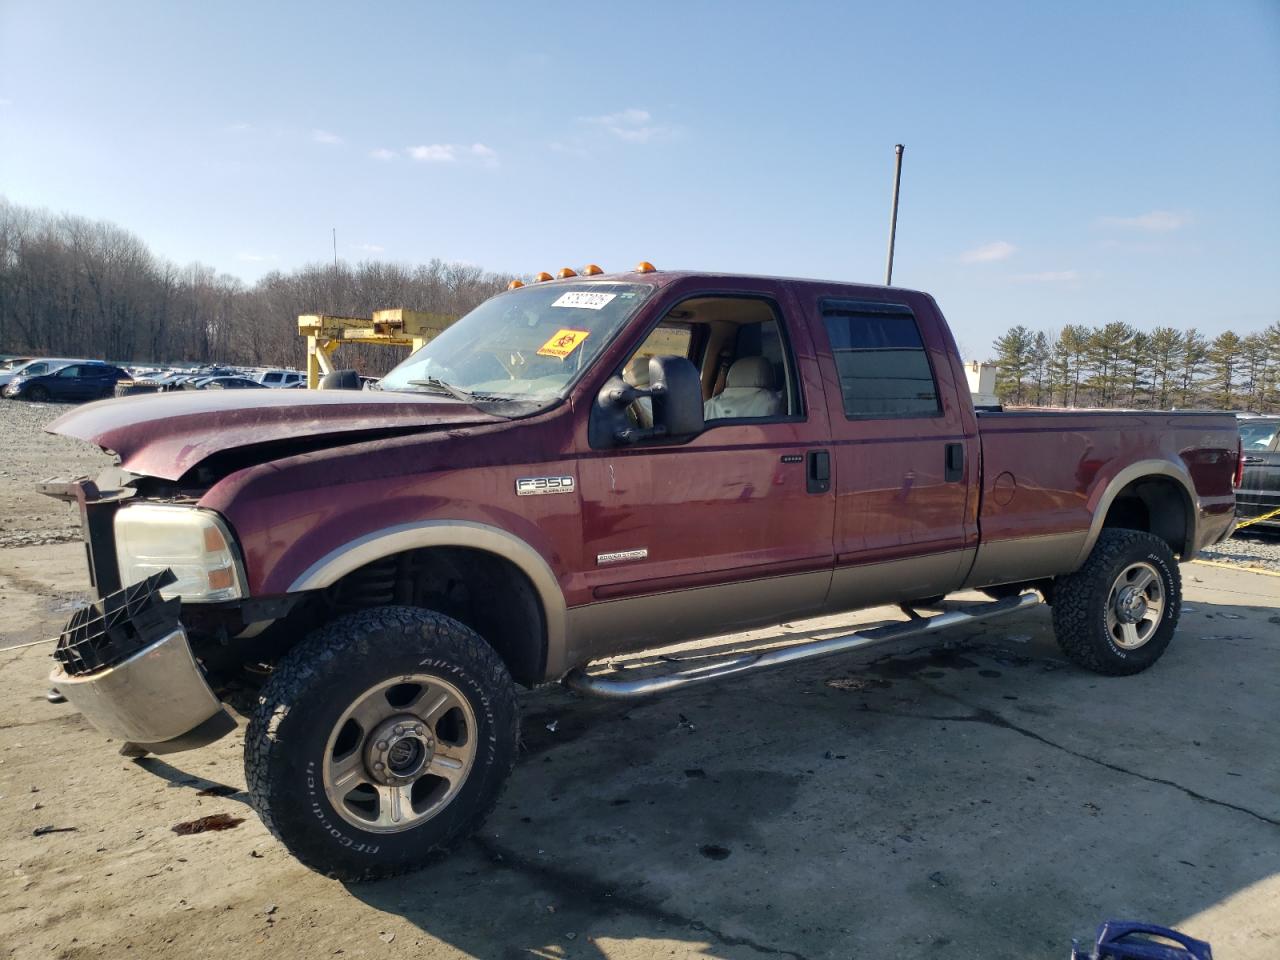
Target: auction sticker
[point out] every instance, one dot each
(564, 342)
(584, 299)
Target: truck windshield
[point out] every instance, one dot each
(529, 344)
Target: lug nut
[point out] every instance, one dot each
(378, 766)
(381, 745)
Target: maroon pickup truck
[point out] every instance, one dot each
(580, 468)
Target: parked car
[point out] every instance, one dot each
(578, 469)
(87, 380)
(169, 380)
(1259, 491)
(32, 368)
(222, 383)
(282, 378)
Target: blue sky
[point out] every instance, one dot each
(1065, 162)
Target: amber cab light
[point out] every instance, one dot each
(565, 273)
(515, 283)
(542, 277)
(591, 270)
(644, 266)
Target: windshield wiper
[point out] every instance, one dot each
(466, 396)
(442, 386)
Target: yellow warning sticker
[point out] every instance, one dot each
(563, 343)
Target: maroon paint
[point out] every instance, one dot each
(720, 507)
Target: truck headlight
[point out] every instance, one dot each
(195, 544)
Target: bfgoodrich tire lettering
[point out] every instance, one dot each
(289, 737)
(1085, 603)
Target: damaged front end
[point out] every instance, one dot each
(142, 662)
(125, 663)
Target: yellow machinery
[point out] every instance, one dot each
(395, 328)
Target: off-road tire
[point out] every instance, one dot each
(1080, 603)
(309, 690)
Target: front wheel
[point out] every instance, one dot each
(38, 394)
(1117, 613)
(380, 740)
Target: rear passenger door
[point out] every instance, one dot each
(904, 446)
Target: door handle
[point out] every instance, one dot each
(1252, 460)
(954, 462)
(818, 471)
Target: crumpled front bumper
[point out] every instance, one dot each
(125, 663)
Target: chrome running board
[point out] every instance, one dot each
(600, 685)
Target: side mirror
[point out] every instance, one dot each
(675, 391)
(340, 380)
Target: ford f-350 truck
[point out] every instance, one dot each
(579, 468)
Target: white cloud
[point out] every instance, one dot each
(238, 127)
(5, 102)
(434, 153)
(368, 248)
(452, 153)
(324, 136)
(382, 153)
(988, 253)
(486, 155)
(632, 125)
(1048, 276)
(1156, 221)
(249, 257)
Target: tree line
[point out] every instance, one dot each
(1118, 365)
(75, 287)
(70, 286)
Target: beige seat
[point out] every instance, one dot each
(748, 392)
(636, 374)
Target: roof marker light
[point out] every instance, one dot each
(644, 266)
(515, 283)
(543, 276)
(591, 270)
(565, 273)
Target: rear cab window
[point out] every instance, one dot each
(880, 359)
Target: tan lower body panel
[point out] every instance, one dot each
(912, 578)
(614, 627)
(1014, 561)
(620, 626)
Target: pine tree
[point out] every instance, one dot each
(1195, 352)
(1166, 356)
(1107, 349)
(1013, 364)
(1225, 362)
(1040, 377)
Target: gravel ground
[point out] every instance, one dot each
(29, 455)
(1248, 549)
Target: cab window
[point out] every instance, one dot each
(740, 348)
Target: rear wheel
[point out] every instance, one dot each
(380, 740)
(1117, 613)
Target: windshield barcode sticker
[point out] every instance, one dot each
(584, 299)
(563, 343)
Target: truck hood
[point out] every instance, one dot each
(164, 435)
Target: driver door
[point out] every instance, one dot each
(729, 529)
